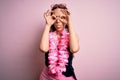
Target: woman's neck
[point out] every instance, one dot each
(59, 32)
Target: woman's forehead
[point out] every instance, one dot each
(58, 12)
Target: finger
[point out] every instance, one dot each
(47, 13)
(53, 21)
(52, 12)
(63, 21)
(68, 12)
(64, 11)
(53, 17)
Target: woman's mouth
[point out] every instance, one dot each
(58, 26)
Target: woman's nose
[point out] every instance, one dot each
(57, 19)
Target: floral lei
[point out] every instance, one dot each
(58, 53)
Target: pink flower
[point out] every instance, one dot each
(58, 59)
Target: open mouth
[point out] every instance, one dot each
(58, 26)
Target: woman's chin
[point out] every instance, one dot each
(59, 30)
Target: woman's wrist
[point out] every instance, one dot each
(48, 25)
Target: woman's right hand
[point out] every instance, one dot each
(50, 19)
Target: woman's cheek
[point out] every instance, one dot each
(64, 21)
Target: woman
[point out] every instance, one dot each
(59, 42)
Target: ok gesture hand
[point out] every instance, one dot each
(49, 18)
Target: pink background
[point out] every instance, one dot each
(97, 23)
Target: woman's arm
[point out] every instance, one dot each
(74, 40)
(44, 42)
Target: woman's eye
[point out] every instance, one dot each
(63, 17)
(53, 18)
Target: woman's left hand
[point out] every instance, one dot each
(68, 16)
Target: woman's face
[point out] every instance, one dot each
(60, 19)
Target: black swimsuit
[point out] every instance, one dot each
(69, 68)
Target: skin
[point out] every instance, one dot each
(59, 19)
